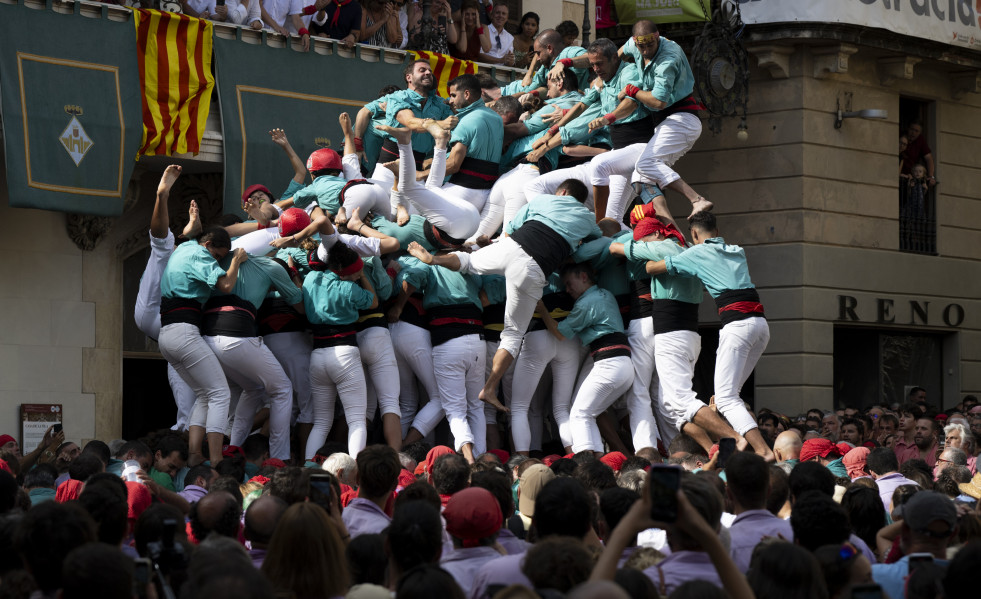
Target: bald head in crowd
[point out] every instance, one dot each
(261, 519)
(787, 446)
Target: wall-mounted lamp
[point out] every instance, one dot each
(869, 113)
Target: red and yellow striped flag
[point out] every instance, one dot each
(175, 75)
(445, 69)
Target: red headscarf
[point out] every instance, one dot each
(614, 460)
(433, 455)
(854, 462)
(818, 448)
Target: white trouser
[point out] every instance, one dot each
(450, 209)
(524, 280)
(614, 169)
(539, 349)
(147, 310)
(257, 243)
(643, 430)
(675, 354)
(414, 357)
(459, 370)
(292, 350)
(506, 197)
(248, 363)
(183, 397)
(490, 412)
(620, 190)
(607, 380)
(183, 347)
(741, 343)
(671, 140)
(378, 357)
(336, 371)
(373, 197)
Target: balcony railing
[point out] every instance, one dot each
(917, 217)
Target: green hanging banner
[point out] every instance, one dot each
(71, 111)
(261, 88)
(661, 11)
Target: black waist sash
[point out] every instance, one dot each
(689, 104)
(450, 322)
(611, 345)
(673, 315)
(330, 335)
(231, 316)
(558, 305)
(493, 317)
(390, 152)
(277, 316)
(640, 299)
(371, 318)
(739, 304)
(635, 132)
(624, 301)
(476, 173)
(439, 238)
(180, 309)
(413, 312)
(545, 246)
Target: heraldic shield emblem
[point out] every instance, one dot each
(74, 138)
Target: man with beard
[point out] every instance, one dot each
(408, 108)
(852, 431)
(924, 446)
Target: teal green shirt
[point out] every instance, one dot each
(668, 75)
(721, 267)
(191, 273)
(440, 286)
(576, 132)
(291, 189)
(494, 287)
(837, 468)
(299, 259)
(414, 230)
(563, 214)
(329, 299)
(256, 275)
(325, 190)
(373, 138)
(541, 75)
(379, 277)
(627, 74)
(434, 108)
(666, 286)
(537, 128)
(595, 314)
(611, 271)
(481, 130)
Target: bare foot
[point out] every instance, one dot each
(441, 135)
(401, 216)
(279, 137)
(742, 444)
(402, 135)
(354, 222)
(193, 221)
(700, 205)
(490, 396)
(420, 253)
(168, 178)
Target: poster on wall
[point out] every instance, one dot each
(953, 22)
(35, 419)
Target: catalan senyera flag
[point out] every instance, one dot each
(174, 57)
(445, 69)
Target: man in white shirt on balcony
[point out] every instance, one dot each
(502, 42)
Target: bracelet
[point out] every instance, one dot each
(293, 237)
(450, 21)
(302, 31)
(533, 92)
(309, 10)
(631, 90)
(359, 144)
(480, 30)
(361, 227)
(260, 226)
(553, 130)
(610, 118)
(566, 62)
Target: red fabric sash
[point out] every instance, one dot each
(744, 307)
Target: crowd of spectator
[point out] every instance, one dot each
(838, 511)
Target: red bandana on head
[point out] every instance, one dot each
(651, 224)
